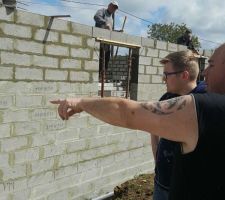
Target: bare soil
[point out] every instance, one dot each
(139, 188)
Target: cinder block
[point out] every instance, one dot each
(54, 125)
(27, 155)
(156, 62)
(56, 75)
(81, 29)
(89, 154)
(42, 139)
(28, 101)
(81, 53)
(42, 88)
(42, 165)
(91, 42)
(54, 150)
(40, 179)
(148, 92)
(41, 35)
(6, 73)
(16, 59)
(39, 114)
(97, 142)
(15, 116)
(14, 143)
(25, 128)
(79, 76)
(4, 160)
(151, 70)
(134, 39)
(91, 65)
(84, 166)
(143, 78)
(44, 61)
(76, 146)
(118, 36)
(141, 69)
(5, 130)
(152, 52)
(57, 50)
(68, 159)
(28, 46)
(101, 33)
(70, 63)
(16, 30)
(59, 24)
(29, 74)
(29, 18)
(17, 171)
(161, 45)
(6, 43)
(69, 88)
(6, 101)
(71, 39)
(67, 135)
(145, 60)
(22, 194)
(147, 42)
(88, 132)
(60, 194)
(163, 54)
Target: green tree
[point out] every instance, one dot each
(170, 32)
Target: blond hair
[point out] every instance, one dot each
(183, 60)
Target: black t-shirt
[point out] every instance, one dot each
(200, 175)
(166, 148)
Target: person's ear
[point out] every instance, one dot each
(185, 75)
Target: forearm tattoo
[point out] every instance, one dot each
(165, 107)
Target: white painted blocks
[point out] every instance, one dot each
(44, 61)
(79, 76)
(71, 39)
(14, 143)
(6, 73)
(29, 74)
(28, 46)
(56, 75)
(29, 18)
(70, 64)
(50, 36)
(80, 53)
(16, 30)
(16, 59)
(57, 50)
(6, 43)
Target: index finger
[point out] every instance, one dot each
(55, 101)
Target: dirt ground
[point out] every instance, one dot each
(139, 188)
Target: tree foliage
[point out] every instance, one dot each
(170, 32)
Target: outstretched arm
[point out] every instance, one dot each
(174, 119)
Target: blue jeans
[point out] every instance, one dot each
(160, 193)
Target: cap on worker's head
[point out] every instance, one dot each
(115, 3)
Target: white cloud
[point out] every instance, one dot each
(205, 17)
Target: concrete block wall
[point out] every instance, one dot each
(41, 156)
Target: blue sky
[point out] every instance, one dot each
(206, 18)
